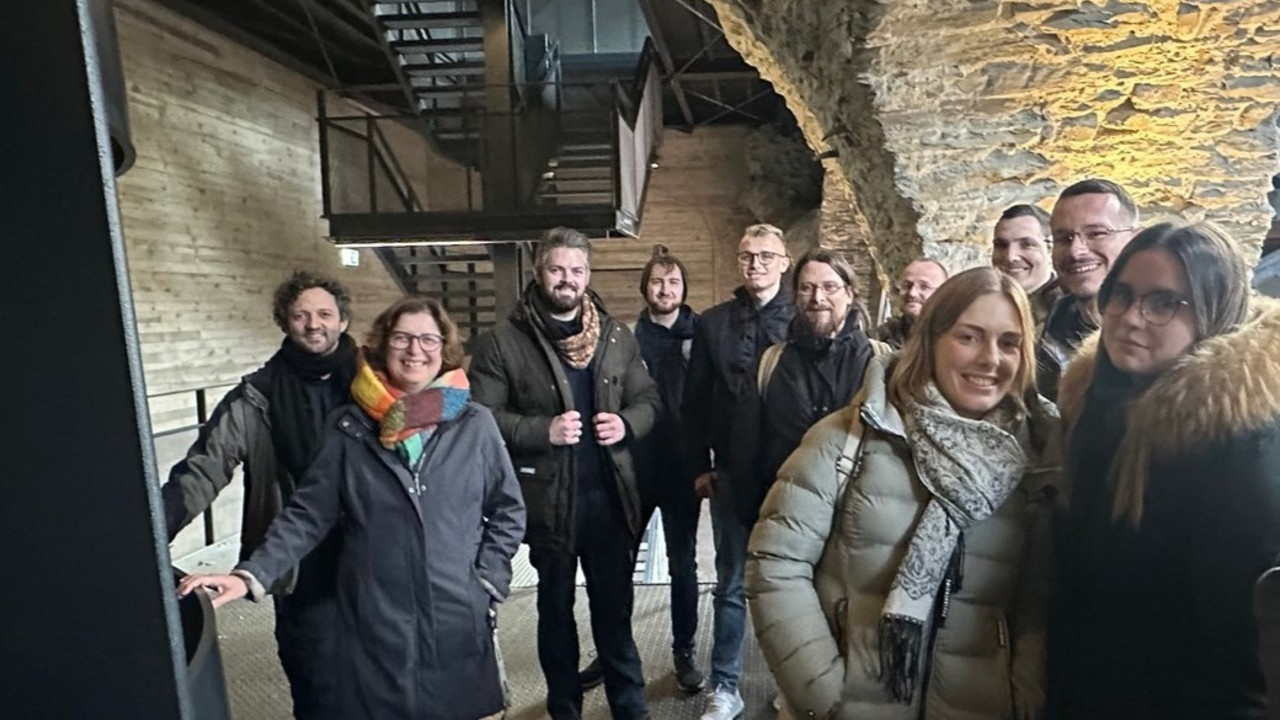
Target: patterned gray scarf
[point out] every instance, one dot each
(969, 467)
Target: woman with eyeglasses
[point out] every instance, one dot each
(418, 481)
(896, 568)
(1174, 468)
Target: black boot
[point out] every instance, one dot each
(592, 675)
(688, 677)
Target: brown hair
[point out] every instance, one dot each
(1219, 282)
(914, 369)
(375, 348)
(560, 237)
(300, 281)
(663, 258)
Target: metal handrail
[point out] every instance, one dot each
(202, 417)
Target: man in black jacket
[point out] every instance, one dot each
(721, 414)
(1092, 221)
(569, 390)
(272, 424)
(920, 279)
(665, 332)
(820, 368)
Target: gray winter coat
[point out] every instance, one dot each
(422, 562)
(823, 556)
(237, 433)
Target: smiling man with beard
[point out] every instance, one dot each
(1092, 221)
(571, 395)
(818, 370)
(1020, 248)
(272, 425)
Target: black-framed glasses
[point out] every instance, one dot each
(401, 340)
(1157, 307)
(1091, 236)
(827, 288)
(766, 258)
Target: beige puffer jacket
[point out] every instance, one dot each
(820, 567)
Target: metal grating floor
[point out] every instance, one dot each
(257, 689)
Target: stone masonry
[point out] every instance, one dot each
(945, 112)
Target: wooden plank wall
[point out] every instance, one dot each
(692, 208)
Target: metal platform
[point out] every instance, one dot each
(257, 687)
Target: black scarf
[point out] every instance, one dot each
(295, 423)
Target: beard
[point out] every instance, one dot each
(663, 307)
(825, 325)
(560, 303)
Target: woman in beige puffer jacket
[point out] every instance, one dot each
(826, 553)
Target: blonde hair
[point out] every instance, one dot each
(914, 369)
(764, 230)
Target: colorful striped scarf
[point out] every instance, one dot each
(406, 421)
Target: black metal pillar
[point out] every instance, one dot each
(89, 624)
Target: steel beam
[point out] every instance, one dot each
(669, 67)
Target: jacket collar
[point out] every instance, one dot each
(873, 398)
(780, 301)
(1227, 385)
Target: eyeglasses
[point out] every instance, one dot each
(1091, 236)
(766, 258)
(827, 288)
(1157, 307)
(401, 341)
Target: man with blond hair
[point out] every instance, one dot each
(721, 419)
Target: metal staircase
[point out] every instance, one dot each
(438, 48)
(537, 151)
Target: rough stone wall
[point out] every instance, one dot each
(946, 111)
(840, 227)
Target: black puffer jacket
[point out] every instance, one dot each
(516, 372)
(1157, 621)
(422, 561)
(666, 352)
(721, 408)
(814, 377)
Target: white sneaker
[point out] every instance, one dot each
(723, 703)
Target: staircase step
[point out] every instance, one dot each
(605, 160)
(458, 135)
(392, 4)
(579, 198)
(584, 148)
(407, 21)
(445, 69)
(579, 173)
(438, 45)
(590, 185)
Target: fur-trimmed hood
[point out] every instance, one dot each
(1228, 385)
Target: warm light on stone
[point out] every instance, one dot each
(948, 111)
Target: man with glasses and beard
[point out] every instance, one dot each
(272, 423)
(721, 415)
(1092, 221)
(570, 392)
(818, 370)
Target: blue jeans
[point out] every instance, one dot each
(729, 600)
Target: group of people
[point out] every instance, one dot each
(913, 524)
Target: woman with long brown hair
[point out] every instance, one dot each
(1174, 468)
